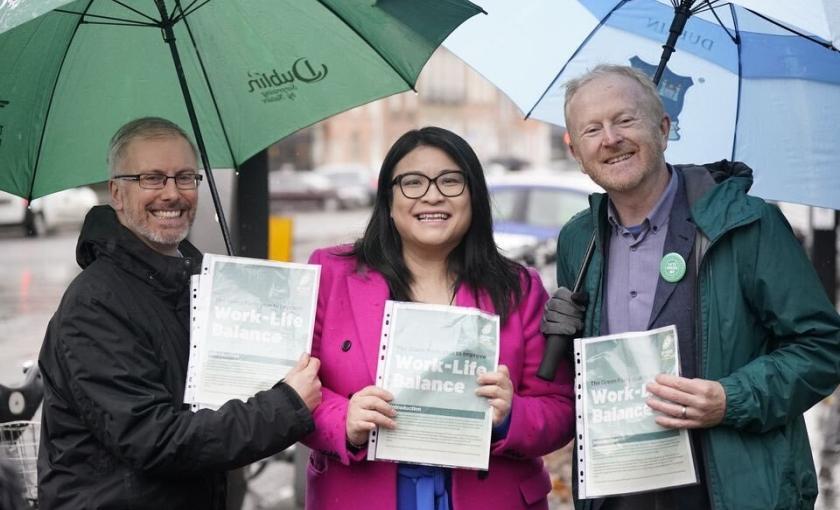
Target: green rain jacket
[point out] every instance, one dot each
(766, 329)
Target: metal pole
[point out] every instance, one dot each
(169, 37)
(250, 209)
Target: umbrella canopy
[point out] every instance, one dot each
(255, 71)
(743, 84)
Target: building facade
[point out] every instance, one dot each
(450, 95)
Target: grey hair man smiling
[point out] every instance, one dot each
(159, 215)
(115, 430)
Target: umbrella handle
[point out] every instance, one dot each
(556, 346)
(681, 15)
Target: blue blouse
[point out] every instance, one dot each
(428, 487)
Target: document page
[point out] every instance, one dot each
(624, 450)
(251, 321)
(430, 358)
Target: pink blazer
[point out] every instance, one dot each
(347, 329)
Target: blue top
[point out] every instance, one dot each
(428, 487)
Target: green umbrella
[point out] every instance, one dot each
(248, 72)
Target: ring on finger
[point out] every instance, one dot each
(684, 409)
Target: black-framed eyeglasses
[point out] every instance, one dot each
(414, 185)
(187, 180)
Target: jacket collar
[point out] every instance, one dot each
(716, 193)
(722, 205)
(104, 237)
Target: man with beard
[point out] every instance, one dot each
(115, 430)
(759, 340)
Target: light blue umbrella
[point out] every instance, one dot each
(759, 85)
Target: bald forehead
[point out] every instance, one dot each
(611, 82)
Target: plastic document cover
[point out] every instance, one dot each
(250, 320)
(430, 357)
(621, 449)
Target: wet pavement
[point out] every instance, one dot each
(33, 276)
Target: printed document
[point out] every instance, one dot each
(251, 319)
(623, 449)
(430, 358)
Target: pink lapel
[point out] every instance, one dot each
(368, 293)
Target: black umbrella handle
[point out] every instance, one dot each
(556, 346)
(681, 14)
(169, 37)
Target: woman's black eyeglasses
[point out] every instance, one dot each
(414, 185)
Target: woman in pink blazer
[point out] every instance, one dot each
(430, 240)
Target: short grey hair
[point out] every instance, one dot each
(144, 127)
(654, 107)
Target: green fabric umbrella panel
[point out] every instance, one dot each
(247, 72)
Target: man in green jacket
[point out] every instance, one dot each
(758, 338)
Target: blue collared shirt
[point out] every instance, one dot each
(633, 270)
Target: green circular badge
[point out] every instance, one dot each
(672, 267)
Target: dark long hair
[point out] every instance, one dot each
(475, 261)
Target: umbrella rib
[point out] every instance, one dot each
(371, 46)
(183, 17)
(124, 24)
(734, 37)
(582, 44)
(52, 96)
(189, 10)
(132, 9)
(82, 16)
(705, 5)
(792, 30)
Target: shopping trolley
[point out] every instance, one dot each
(19, 433)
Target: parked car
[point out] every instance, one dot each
(355, 185)
(302, 189)
(530, 208)
(46, 214)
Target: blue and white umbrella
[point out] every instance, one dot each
(753, 80)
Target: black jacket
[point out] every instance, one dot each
(115, 432)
